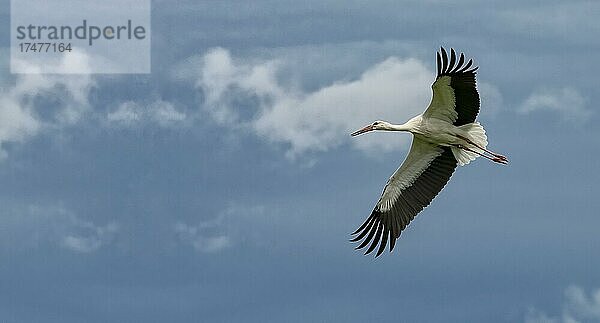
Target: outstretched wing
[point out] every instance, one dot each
(455, 97)
(422, 175)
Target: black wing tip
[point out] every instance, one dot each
(451, 67)
(373, 232)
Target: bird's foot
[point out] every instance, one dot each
(500, 160)
(501, 157)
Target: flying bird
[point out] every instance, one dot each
(444, 136)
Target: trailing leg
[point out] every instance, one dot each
(494, 158)
(496, 155)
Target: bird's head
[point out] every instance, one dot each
(377, 125)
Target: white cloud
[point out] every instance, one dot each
(126, 113)
(93, 240)
(161, 112)
(236, 225)
(165, 114)
(37, 226)
(395, 89)
(577, 307)
(16, 122)
(198, 237)
(22, 101)
(580, 305)
(567, 102)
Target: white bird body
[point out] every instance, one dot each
(430, 130)
(444, 136)
(438, 132)
(442, 133)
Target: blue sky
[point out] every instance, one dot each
(223, 186)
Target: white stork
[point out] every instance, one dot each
(445, 135)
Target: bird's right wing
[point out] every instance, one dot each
(422, 175)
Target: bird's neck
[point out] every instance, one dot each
(400, 127)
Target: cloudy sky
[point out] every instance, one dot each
(223, 186)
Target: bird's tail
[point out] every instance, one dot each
(476, 134)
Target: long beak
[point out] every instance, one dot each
(363, 130)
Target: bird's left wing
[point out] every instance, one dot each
(422, 175)
(455, 97)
